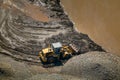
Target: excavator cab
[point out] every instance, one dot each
(56, 47)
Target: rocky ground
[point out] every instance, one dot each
(94, 66)
(27, 26)
(88, 66)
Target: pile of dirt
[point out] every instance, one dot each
(23, 36)
(17, 70)
(21, 32)
(94, 66)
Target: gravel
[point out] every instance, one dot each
(94, 66)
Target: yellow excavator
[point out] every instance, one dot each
(55, 52)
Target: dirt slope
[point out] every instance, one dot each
(24, 32)
(94, 66)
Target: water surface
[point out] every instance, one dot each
(100, 19)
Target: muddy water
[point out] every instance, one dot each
(100, 19)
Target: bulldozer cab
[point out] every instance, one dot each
(56, 47)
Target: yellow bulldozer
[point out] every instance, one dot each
(55, 52)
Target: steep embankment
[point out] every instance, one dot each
(94, 66)
(28, 26)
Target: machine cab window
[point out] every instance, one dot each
(56, 47)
